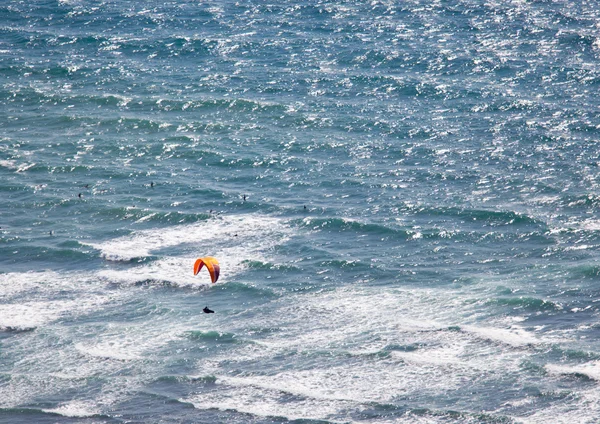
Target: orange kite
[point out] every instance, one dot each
(211, 264)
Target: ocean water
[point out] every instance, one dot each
(403, 197)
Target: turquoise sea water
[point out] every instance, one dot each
(403, 197)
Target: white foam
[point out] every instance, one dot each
(110, 350)
(44, 282)
(582, 407)
(580, 247)
(366, 381)
(547, 200)
(206, 237)
(178, 271)
(400, 344)
(250, 398)
(78, 296)
(233, 240)
(33, 314)
(27, 316)
(174, 270)
(43, 299)
(514, 336)
(25, 166)
(9, 164)
(590, 224)
(76, 409)
(362, 321)
(591, 369)
(45, 360)
(132, 341)
(326, 392)
(60, 358)
(446, 356)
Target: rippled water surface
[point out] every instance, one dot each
(402, 195)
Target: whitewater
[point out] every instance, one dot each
(403, 198)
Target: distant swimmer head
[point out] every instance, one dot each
(208, 311)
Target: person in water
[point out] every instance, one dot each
(208, 311)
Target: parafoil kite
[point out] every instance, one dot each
(211, 264)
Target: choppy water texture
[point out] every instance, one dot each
(418, 241)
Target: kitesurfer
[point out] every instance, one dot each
(207, 311)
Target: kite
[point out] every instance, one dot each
(211, 264)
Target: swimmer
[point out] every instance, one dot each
(207, 311)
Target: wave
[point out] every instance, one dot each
(589, 371)
(213, 336)
(515, 337)
(16, 329)
(487, 216)
(268, 266)
(434, 232)
(385, 353)
(175, 274)
(152, 281)
(345, 264)
(401, 348)
(306, 405)
(139, 215)
(409, 87)
(574, 354)
(208, 379)
(585, 271)
(32, 252)
(36, 96)
(44, 168)
(590, 200)
(342, 224)
(256, 233)
(247, 290)
(526, 303)
(376, 410)
(216, 104)
(575, 39)
(49, 415)
(76, 409)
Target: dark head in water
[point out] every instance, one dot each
(208, 311)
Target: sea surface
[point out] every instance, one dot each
(403, 196)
